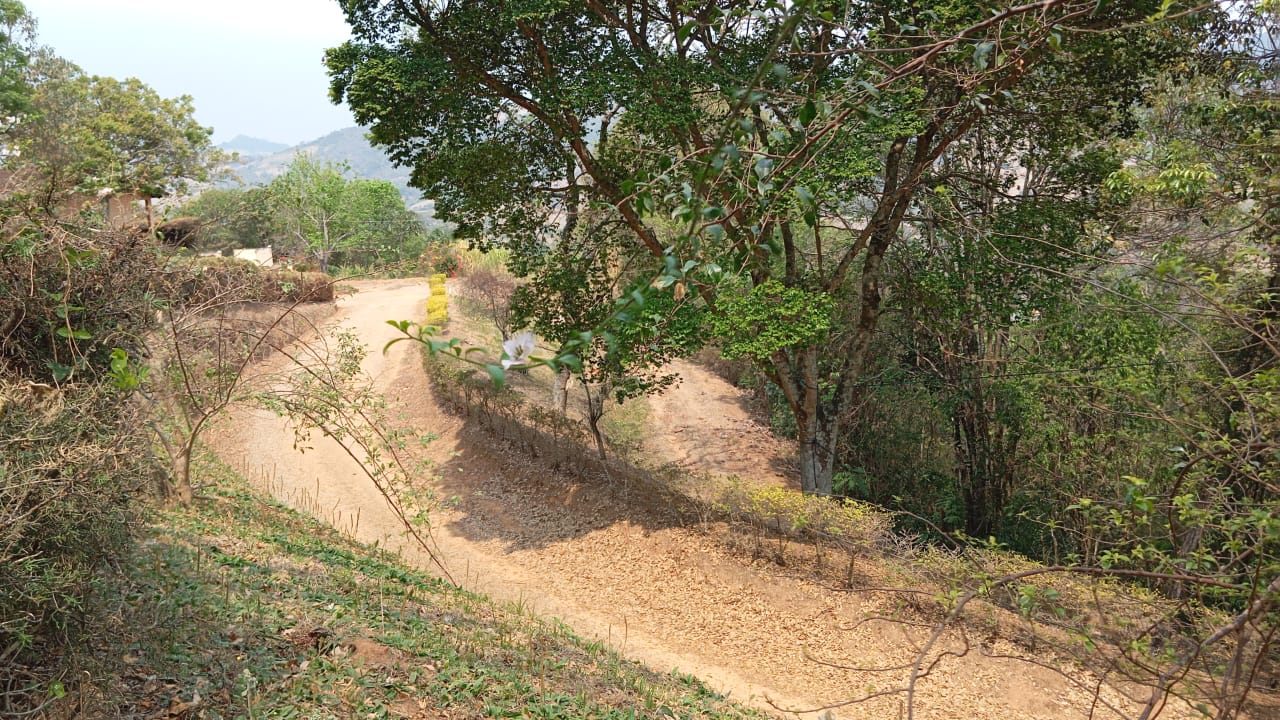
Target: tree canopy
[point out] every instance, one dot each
(88, 134)
(789, 143)
(326, 212)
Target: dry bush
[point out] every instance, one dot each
(733, 372)
(489, 294)
(72, 459)
(560, 441)
(846, 528)
(304, 286)
(67, 299)
(852, 528)
(71, 466)
(218, 280)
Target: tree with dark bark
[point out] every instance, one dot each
(790, 142)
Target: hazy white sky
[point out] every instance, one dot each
(254, 67)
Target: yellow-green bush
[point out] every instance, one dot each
(471, 260)
(438, 302)
(855, 527)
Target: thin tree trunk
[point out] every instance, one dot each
(817, 460)
(817, 419)
(560, 390)
(595, 411)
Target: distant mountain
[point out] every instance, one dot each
(344, 146)
(249, 146)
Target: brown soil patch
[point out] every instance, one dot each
(703, 424)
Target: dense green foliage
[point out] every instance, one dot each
(95, 135)
(777, 162)
(325, 213)
(232, 218)
(313, 214)
(17, 30)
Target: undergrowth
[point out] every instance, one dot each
(241, 608)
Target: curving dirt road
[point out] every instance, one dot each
(616, 567)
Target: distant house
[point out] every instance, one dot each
(261, 256)
(116, 209)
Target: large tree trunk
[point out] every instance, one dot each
(817, 459)
(817, 418)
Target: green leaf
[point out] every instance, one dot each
(808, 112)
(685, 30)
(872, 90)
(498, 375)
(60, 372)
(982, 55)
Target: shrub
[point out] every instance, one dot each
(474, 260)
(72, 456)
(219, 280)
(488, 293)
(72, 463)
(441, 258)
(438, 302)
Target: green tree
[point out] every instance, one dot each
(387, 232)
(144, 143)
(327, 212)
(578, 286)
(17, 39)
(789, 141)
(1013, 214)
(232, 217)
(86, 133)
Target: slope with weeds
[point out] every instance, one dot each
(240, 607)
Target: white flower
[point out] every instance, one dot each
(517, 350)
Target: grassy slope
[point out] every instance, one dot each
(239, 607)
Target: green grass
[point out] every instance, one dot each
(263, 612)
(627, 425)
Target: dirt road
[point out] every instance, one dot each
(703, 407)
(614, 566)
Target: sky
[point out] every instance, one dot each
(253, 67)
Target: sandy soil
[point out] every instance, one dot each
(616, 567)
(703, 424)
